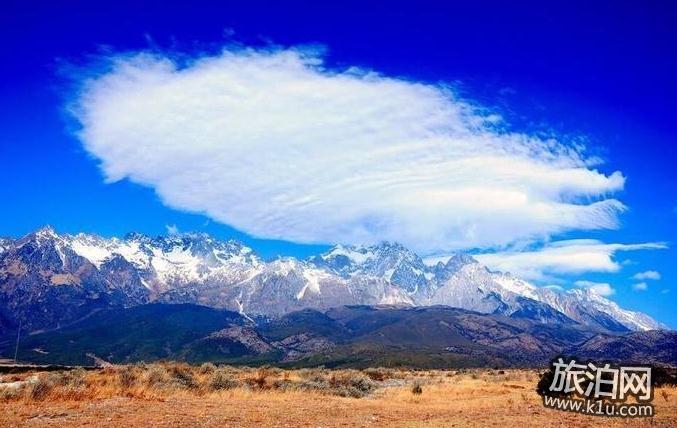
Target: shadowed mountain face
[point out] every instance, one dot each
(48, 280)
(347, 336)
(143, 332)
(649, 346)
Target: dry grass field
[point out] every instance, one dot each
(181, 395)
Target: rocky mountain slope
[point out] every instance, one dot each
(344, 336)
(49, 280)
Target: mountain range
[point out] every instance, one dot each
(196, 298)
(344, 336)
(48, 280)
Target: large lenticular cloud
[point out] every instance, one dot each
(277, 145)
(570, 257)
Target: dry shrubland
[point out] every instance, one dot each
(162, 379)
(172, 394)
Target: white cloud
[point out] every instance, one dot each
(601, 288)
(569, 257)
(640, 286)
(172, 229)
(650, 274)
(278, 145)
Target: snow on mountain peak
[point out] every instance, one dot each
(381, 257)
(390, 261)
(229, 274)
(46, 232)
(460, 259)
(5, 243)
(346, 254)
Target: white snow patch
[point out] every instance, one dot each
(517, 286)
(312, 281)
(355, 256)
(95, 254)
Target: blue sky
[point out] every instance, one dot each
(600, 75)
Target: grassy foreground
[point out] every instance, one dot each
(178, 394)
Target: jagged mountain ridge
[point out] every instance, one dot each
(62, 278)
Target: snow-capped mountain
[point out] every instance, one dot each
(586, 306)
(49, 279)
(464, 282)
(4, 244)
(165, 263)
(391, 262)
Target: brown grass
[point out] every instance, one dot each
(175, 394)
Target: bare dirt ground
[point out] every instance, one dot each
(474, 398)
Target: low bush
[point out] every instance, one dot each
(259, 380)
(157, 376)
(183, 377)
(13, 393)
(127, 377)
(41, 388)
(157, 379)
(221, 380)
(207, 368)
